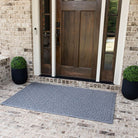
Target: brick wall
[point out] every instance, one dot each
(16, 29)
(131, 47)
(4, 70)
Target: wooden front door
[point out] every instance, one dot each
(78, 24)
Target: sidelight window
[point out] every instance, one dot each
(45, 15)
(110, 39)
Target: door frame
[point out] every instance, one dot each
(121, 40)
(36, 37)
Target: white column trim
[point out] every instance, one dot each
(53, 38)
(36, 36)
(98, 72)
(121, 41)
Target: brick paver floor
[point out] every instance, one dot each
(20, 123)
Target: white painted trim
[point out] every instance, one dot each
(121, 41)
(36, 37)
(100, 41)
(53, 38)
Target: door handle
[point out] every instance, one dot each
(46, 39)
(57, 33)
(46, 34)
(58, 24)
(58, 37)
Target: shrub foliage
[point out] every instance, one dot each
(18, 63)
(131, 73)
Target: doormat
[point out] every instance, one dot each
(67, 101)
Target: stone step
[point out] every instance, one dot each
(75, 83)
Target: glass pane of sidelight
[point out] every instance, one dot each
(111, 34)
(112, 20)
(110, 43)
(109, 53)
(108, 61)
(46, 48)
(47, 55)
(113, 7)
(46, 39)
(47, 23)
(47, 6)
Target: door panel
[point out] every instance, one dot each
(86, 39)
(75, 72)
(68, 43)
(79, 5)
(77, 52)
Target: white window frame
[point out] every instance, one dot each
(121, 41)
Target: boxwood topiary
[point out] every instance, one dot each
(131, 73)
(18, 63)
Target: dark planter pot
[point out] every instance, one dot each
(19, 76)
(130, 89)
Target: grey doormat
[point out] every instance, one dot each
(61, 100)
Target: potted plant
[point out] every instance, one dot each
(19, 70)
(130, 83)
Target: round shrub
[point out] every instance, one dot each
(131, 73)
(18, 63)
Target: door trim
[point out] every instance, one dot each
(53, 37)
(99, 56)
(121, 40)
(36, 37)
